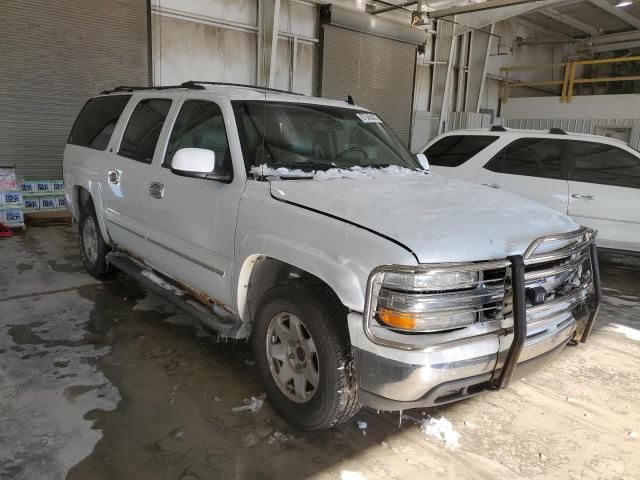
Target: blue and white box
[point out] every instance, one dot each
(60, 202)
(31, 204)
(47, 203)
(11, 199)
(29, 187)
(13, 217)
(43, 187)
(57, 187)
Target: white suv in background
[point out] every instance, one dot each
(593, 179)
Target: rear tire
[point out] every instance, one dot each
(93, 248)
(298, 342)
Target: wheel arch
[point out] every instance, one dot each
(82, 196)
(261, 272)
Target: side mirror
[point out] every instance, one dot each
(422, 159)
(197, 163)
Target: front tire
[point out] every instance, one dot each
(303, 356)
(93, 248)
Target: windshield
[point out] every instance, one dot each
(316, 137)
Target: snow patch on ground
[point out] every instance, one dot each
(160, 282)
(630, 333)
(333, 173)
(351, 475)
(252, 404)
(441, 429)
(278, 437)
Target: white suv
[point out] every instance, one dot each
(593, 179)
(305, 224)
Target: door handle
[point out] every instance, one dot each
(587, 196)
(156, 189)
(492, 185)
(113, 177)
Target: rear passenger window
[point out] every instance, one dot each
(532, 157)
(454, 150)
(200, 124)
(140, 137)
(97, 119)
(604, 164)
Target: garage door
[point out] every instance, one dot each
(377, 72)
(53, 55)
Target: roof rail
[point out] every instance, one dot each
(127, 88)
(557, 131)
(198, 84)
(497, 128)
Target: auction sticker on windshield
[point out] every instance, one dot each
(368, 118)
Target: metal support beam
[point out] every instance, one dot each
(442, 72)
(617, 12)
(294, 65)
(602, 40)
(615, 37)
(268, 18)
(572, 22)
(612, 47)
(462, 72)
(478, 59)
(478, 7)
(469, 21)
(394, 7)
(542, 29)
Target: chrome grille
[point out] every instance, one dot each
(560, 264)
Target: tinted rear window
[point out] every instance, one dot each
(604, 164)
(454, 150)
(97, 119)
(531, 157)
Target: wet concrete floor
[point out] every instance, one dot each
(103, 380)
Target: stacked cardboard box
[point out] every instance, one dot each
(43, 195)
(11, 200)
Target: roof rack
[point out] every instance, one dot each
(127, 88)
(497, 128)
(198, 84)
(557, 131)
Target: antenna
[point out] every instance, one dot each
(350, 100)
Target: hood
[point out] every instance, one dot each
(438, 219)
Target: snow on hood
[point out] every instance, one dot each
(440, 220)
(334, 173)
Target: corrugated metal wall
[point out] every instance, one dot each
(217, 40)
(377, 72)
(53, 55)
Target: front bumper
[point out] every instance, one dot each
(395, 379)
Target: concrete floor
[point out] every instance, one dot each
(107, 381)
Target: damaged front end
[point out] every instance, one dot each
(439, 333)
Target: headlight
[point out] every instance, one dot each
(432, 299)
(430, 281)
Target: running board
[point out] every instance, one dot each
(185, 302)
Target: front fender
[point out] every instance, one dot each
(340, 254)
(82, 177)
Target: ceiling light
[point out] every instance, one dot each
(623, 3)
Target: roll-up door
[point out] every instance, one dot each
(53, 55)
(376, 70)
